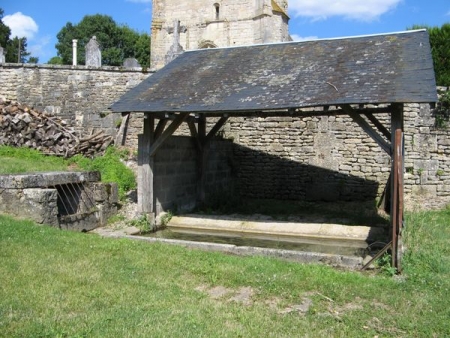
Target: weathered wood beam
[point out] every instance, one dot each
(168, 132)
(194, 134)
(216, 128)
(368, 129)
(145, 167)
(160, 128)
(397, 164)
(122, 134)
(379, 125)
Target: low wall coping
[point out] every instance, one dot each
(46, 179)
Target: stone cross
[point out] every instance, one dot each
(176, 49)
(2, 56)
(93, 53)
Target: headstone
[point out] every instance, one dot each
(93, 53)
(176, 49)
(131, 63)
(2, 56)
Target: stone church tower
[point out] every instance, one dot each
(185, 25)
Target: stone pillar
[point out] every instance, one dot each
(74, 52)
(93, 53)
(2, 56)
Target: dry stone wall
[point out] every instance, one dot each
(78, 94)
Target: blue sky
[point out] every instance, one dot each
(40, 21)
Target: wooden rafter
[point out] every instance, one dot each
(368, 129)
(168, 132)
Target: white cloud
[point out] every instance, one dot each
(21, 25)
(296, 37)
(366, 10)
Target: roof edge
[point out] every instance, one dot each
(312, 40)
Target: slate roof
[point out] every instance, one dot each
(388, 68)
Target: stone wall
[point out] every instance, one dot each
(176, 173)
(68, 200)
(332, 158)
(288, 158)
(81, 95)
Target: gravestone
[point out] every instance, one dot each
(131, 63)
(93, 53)
(2, 56)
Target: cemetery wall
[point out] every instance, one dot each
(78, 94)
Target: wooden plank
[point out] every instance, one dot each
(145, 167)
(168, 132)
(121, 134)
(368, 129)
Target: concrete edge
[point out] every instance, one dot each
(341, 261)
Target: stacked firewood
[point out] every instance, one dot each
(23, 126)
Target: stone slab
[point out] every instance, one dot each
(46, 179)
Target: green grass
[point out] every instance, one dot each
(64, 284)
(24, 160)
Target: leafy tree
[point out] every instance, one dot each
(117, 42)
(5, 32)
(56, 60)
(33, 59)
(440, 49)
(12, 50)
(11, 46)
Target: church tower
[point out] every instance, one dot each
(179, 25)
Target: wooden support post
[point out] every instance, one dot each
(202, 159)
(146, 167)
(397, 181)
(194, 135)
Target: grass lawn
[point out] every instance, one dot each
(64, 284)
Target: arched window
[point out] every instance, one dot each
(217, 11)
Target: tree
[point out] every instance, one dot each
(440, 50)
(117, 42)
(12, 46)
(56, 60)
(33, 59)
(12, 50)
(5, 32)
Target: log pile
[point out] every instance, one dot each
(22, 126)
